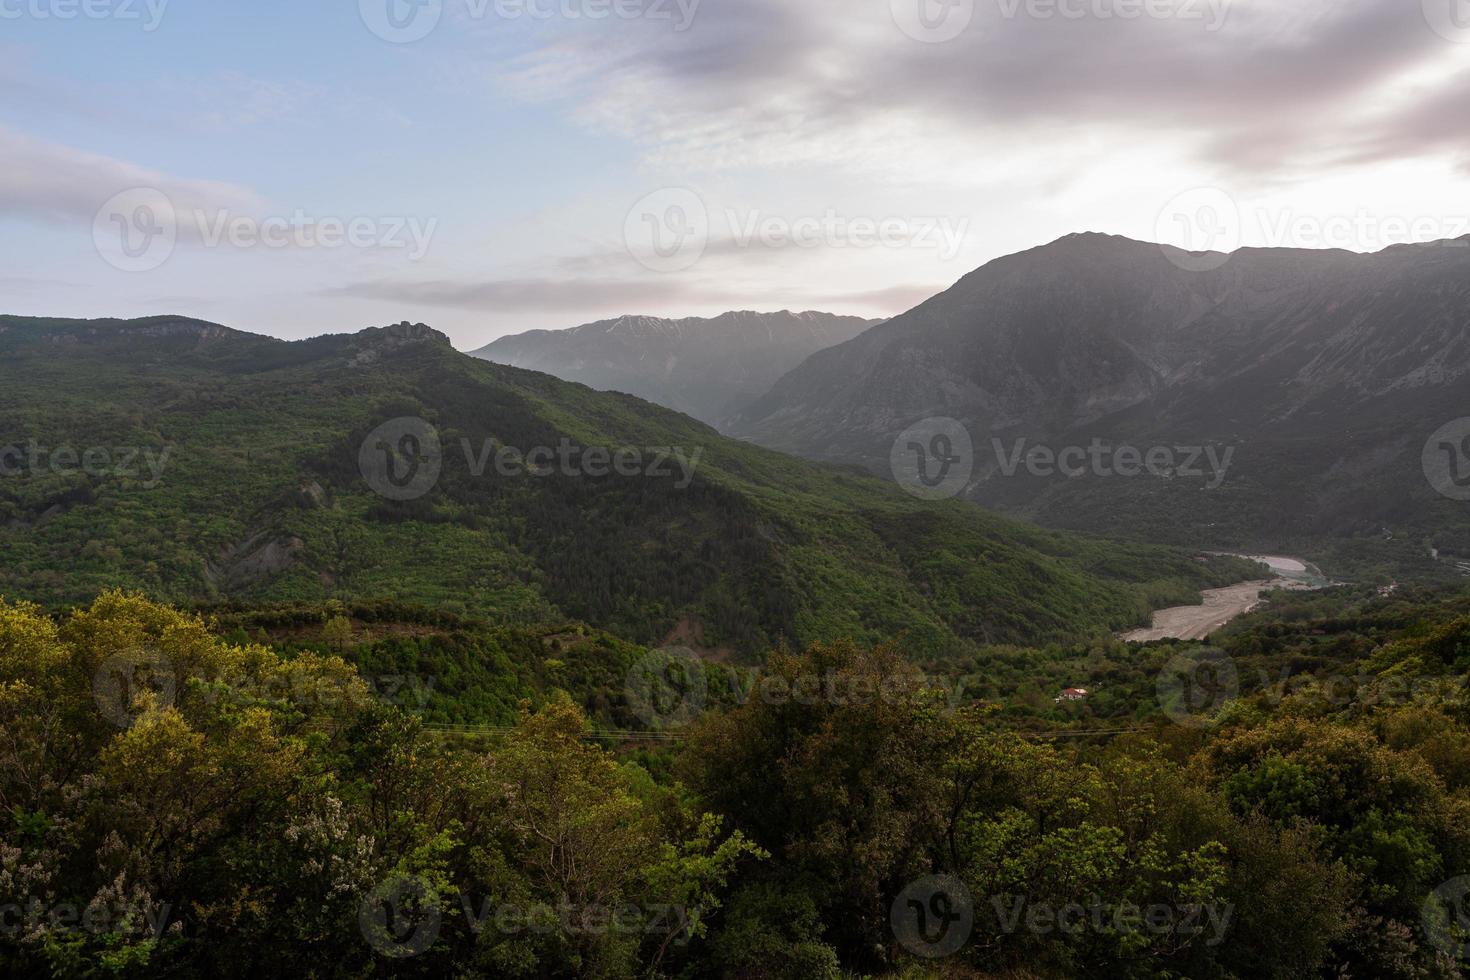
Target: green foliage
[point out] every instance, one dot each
(231, 813)
(260, 498)
(213, 805)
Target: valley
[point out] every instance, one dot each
(755, 490)
(1271, 403)
(428, 593)
(277, 488)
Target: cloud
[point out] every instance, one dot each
(50, 182)
(665, 295)
(1259, 87)
(1438, 121)
(530, 295)
(31, 284)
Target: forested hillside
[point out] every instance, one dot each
(200, 463)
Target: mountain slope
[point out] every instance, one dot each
(267, 490)
(705, 367)
(1322, 372)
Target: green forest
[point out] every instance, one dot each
(233, 473)
(759, 719)
(381, 789)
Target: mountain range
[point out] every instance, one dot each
(204, 464)
(705, 367)
(1305, 401)
(1317, 376)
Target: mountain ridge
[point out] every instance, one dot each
(1300, 358)
(261, 492)
(706, 367)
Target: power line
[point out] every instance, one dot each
(1080, 733)
(616, 735)
(441, 728)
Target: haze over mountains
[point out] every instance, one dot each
(1322, 372)
(707, 367)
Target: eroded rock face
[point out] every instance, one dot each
(375, 343)
(105, 331)
(255, 559)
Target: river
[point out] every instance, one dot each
(1222, 605)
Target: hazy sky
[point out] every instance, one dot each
(298, 167)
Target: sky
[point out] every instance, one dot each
(492, 166)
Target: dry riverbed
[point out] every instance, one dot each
(1220, 606)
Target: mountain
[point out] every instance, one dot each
(705, 367)
(201, 464)
(1322, 373)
